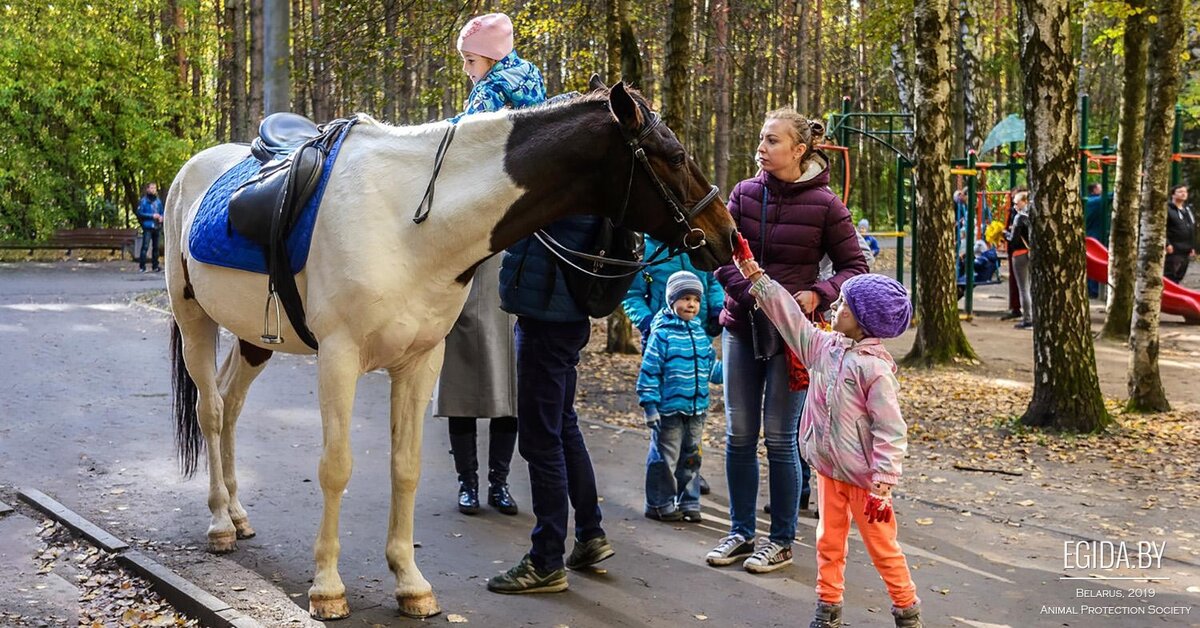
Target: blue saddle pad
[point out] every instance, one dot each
(213, 241)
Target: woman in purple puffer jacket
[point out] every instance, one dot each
(804, 221)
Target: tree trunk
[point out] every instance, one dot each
(1146, 392)
(940, 338)
(235, 16)
(1066, 390)
(318, 81)
(612, 40)
(223, 63)
(257, 36)
(818, 97)
(903, 77)
(631, 56)
(802, 65)
(720, 16)
(1122, 243)
(620, 334)
(675, 69)
(969, 32)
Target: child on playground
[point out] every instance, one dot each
(851, 431)
(672, 389)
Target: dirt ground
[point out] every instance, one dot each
(969, 455)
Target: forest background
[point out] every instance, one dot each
(98, 98)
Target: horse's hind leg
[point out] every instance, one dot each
(200, 355)
(242, 364)
(411, 388)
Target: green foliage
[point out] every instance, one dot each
(86, 109)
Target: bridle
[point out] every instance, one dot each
(681, 215)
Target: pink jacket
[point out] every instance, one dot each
(851, 429)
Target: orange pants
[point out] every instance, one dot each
(838, 502)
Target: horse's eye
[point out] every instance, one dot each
(677, 160)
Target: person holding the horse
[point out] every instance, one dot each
(479, 375)
(672, 389)
(550, 332)
(792, 220)
(150, 214)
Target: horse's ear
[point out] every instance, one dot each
(624, 108)
(595, 83)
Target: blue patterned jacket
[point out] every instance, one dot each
(676, 366)
(513, 82)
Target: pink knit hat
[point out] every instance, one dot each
(488, 35)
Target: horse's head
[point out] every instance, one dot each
(663, 193)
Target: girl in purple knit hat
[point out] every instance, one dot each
(851, 431)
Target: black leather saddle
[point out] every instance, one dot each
(265, 208)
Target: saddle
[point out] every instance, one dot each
(264, 209)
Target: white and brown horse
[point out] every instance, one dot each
(381, 291)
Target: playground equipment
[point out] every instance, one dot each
(1176, 299)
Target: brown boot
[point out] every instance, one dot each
(908, 617)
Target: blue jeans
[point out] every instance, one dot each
(149, 243)
(757, 396)
(673, 464)
(560, 469)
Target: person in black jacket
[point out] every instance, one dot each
(1181, 234)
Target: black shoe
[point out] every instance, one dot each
(1023, 325)
(674, 515)
(705, 489)
(692, 516)
(500, 499)
(525, 578)
(590, 552)
(1011, 316)
(468, 499)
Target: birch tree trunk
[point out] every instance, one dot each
(969, 33)
(1066, 389)
(720, 16)
(940, 338)
(1146, 392)
(1122, 242)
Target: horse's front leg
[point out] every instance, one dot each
(242, 364)
(338, 370)
(411, 388)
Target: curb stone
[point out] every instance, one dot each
(5, 509)
(187, 597)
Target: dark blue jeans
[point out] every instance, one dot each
(150, 243)
(560, 469)
(757, 398)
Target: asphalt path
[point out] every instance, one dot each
(85, 417)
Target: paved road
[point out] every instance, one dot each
(84, 416)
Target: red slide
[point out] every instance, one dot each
(1175, 300)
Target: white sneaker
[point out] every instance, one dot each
(729, 550)
(768, 557)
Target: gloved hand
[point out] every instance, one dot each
(712, 326)
(651, 417)
(879, 504)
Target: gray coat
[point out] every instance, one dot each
(479, 375)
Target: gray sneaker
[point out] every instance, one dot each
(768, 557)
(590, 552)
(827, 616)
(908, 617)
(729, 550)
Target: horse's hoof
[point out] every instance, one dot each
(419, 606)
(326, 608)
(222, 542)
(244, 531)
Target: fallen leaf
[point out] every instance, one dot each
(456, 619)
(924, 521)
(701, 617)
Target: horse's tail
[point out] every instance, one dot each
(189, 441)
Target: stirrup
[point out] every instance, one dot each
(267, 337)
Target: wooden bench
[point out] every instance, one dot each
(70, 239)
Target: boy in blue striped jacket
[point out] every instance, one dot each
(672, 388)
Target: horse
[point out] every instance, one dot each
(382, 290)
